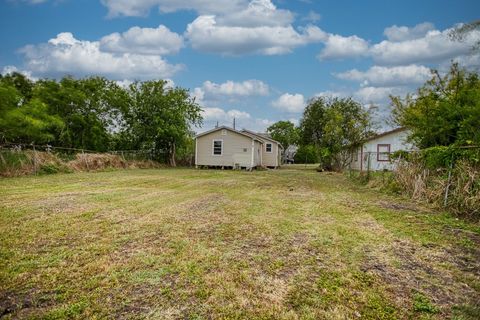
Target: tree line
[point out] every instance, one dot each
(444, 112)
(98, 114)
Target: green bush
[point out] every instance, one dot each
(49, 168)
(307, 154)
(438, 157)
(442, 156)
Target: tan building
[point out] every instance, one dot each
(272, 150)
(228, 148)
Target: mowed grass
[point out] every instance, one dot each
(205, 244)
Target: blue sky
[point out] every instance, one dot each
(258, 61)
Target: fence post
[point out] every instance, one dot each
(368, 165)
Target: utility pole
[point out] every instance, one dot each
(233, 123)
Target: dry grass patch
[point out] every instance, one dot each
(204, 244)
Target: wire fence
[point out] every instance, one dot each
(366, 162)
(18, 154)
(388, 161)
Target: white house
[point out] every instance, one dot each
(374, 154)
(228, 148)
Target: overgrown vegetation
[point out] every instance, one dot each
(333, 125)
(443, 112)
(205, 244)
(446, 177)
(28, 162)
(456, 188)
(97, 114)
(444, 120)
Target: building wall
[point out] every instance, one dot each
(237, 149)
(257, 153)
(368, 152)
(270, 159)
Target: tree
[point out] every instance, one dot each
(307, 154)
(90, 109)
(444, 111)
(23, 120)
(160, 118)
(334, 125)
(284, 132)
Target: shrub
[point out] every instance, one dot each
(307, 154)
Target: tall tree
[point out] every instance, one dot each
(89, 107)
(334, 125)
(23, 120)
(444, 111)
(284, 132)
(160, 118)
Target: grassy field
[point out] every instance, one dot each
(204, 244)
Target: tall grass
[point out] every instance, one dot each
(27, 162)
(458, 190)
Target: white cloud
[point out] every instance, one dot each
(293, 103)
(12, 69)
(435, 46)
(405, 46)
(204, 34)
(142, 7)
(158, 41)
(378, 95)
(403, 33)
(67, 55)
(222, 115)
(231, 88)
(339, 47)
(224, 27)
(388, 76)
(258, 13)
(312, 16)
(260, 125)
(332, 94)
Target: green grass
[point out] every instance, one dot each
(205, 244)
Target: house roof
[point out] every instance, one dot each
(229, 129)
(400, 129)
(264, 136)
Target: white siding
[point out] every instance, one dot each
(270, 159)
(396, 140)
(257, 155)
(237, 150)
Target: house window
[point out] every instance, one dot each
(217, 147)
(383, 152)
(268, 147)
(224, 132)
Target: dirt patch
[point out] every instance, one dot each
(16, 303)
(203, 204)
(67, 202)
(406, 268)
(399, 206)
